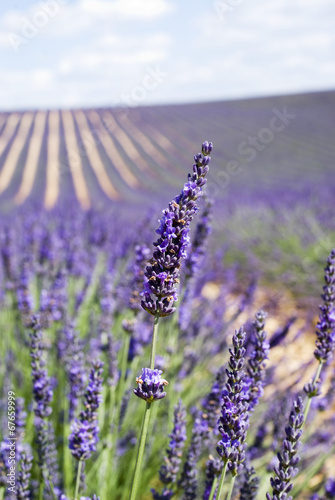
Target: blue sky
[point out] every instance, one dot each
(86, 53)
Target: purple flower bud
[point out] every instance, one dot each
(150, 385)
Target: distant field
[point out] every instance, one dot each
(114, 154)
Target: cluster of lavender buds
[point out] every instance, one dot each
(212, 403)
(325, 333)
(23, 477)
(214, 468)
(189, 477)
(84, 430)
(288, 459)
(150, 385)
(202, 231)
(254, 380)
(234, 421)
(250, 484)
(162, 275)
(71, 351)
(42, 390)
(169, 470)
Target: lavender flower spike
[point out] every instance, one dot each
(325, 333)
(84, 436)
(234, 421)
(168, 472)
(24, 477)
(162, 275)
(288, 459)
(254, 381)
(150, 385)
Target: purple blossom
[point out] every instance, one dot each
(330, 489)
(249, 488)
(23, 478)
(325, 332)
(234, 421)
(254, 381)
(84, 430)
(189, 476)
(288, 459)
(162, 275)
(150, 385)
(212, 402)
(42, 390)
(168, 472)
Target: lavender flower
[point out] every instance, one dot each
(234, 411)
(202, 231)
(41, 382)
(330, 489)
(254, 381)
(212, 403)
(72, 350)
(150, 385)
(23, 477)
(168, 472)
(162, 275)
(250, 484)
(325, 333)
(189, 477)
(288, 459)
(165, 495)
(84, 430)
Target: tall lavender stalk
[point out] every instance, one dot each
(234, 420)
(169, 470)
(43, 395)
(288, 459)
(84, 430)
(163, 272)
(325, 333)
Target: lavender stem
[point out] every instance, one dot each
(139, 458)
(80, 464)
(214, 485)
(146, 417)
(232, 482)
(223, 475)
(153, 343)
(308, 399)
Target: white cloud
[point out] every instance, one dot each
(56, 19)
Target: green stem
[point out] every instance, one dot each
(76, 493)
(140, 452)
(232, 482)
(214, 485)
(308, 400)
(153, 343)
(223, 475)
(2, 493)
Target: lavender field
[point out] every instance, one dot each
(166, 355)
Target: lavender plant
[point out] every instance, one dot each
(70, 290)
(162, 276)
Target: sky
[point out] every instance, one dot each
(101, 53)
